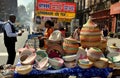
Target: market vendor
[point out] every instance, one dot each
(49, 29)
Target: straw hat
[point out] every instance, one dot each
(85, 63)
(25, 69)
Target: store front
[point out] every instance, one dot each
(115, 12)
(102, 18)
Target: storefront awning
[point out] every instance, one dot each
(115, 8)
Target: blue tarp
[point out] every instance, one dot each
(77, 71)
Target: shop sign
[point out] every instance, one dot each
(55, 6)
(115, 8)
(55, 14)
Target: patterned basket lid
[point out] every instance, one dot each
(90, 23)
(71, 40)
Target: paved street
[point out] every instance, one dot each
(19, 44)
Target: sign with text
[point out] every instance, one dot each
(57, 9)
(55, 14)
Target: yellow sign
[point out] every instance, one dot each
(55, 14)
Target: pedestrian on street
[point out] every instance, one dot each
(76, 33)
(10, 38)
(48, 30)
(105, 31)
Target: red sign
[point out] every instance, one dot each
(115, 8)
(55, 6)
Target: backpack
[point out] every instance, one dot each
(2, 26)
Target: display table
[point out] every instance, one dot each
(65, 72)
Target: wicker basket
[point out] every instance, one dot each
(56, 62)
(55, 50)
(94, 54)
(70, 64)
(25, 69)
(85, 63)
(102, 63)
(70, 57)
(29, 60)
(70, 45)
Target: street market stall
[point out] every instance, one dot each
(64, 57)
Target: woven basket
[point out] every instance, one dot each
(94, 54)
(70, 64)
(29, 60)
(25, 69)
(43, 64)
(90, 34)
(41, 54)
(55, 50)
(70, 57)
(102, 63)
(103, 44)
(85, 65)
(56, 62)
(70, 45)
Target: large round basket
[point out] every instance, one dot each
(90, 35)
(70, 45)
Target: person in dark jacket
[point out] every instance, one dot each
(105, 31)
(10, 38)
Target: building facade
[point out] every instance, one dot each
(99, 10)
(7, 7)
(115, 13)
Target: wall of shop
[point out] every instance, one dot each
(115, 13)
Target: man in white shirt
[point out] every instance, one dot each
(10, 35)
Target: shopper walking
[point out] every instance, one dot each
(76, 33)
(105, 31)
(10, 35)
